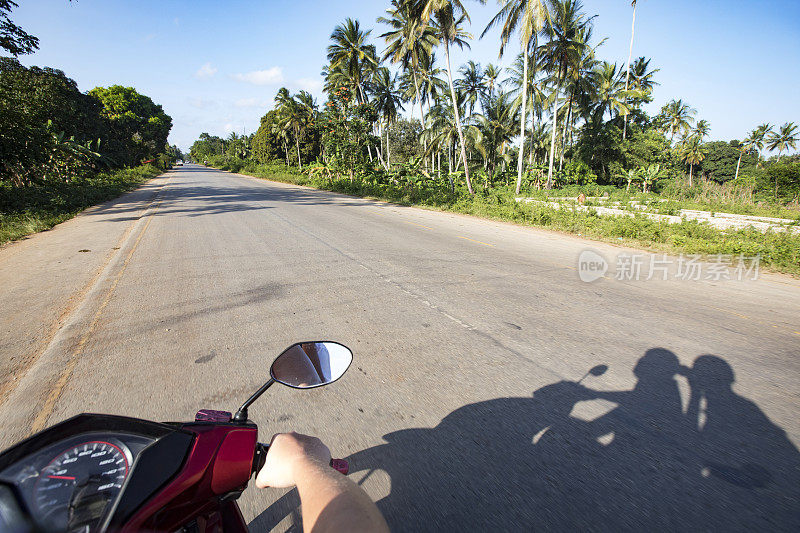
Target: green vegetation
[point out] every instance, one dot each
(581, 118)
(779, 251)
(62, 150)
(26, 210)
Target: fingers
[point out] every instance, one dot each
(290, 454)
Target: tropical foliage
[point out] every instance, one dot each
(558, 115)
(49, 129)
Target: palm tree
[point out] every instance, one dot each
(450, 16)
(350, 53)
(296, 112)
(679, 117)
(692, 153)
(628, 72)
(536, 90)
(490, 75)
(408, 41)
(609, 92)
(580, 84)
(747, 144)
(496, 125)
(642, 76)
(759, 136)
(701, 129)
(430, 84)
(471, 84)
(565, 29)
(387, 103)
(529, 17)
(784, 139)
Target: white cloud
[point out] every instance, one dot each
(228, 127)
(312, 85)
(251, 102)
(206, 71)
(202, 103)
(269, 76)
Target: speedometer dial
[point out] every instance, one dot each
(77, 485)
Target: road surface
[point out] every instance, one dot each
(460, 411)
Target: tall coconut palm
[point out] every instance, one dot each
(471, 84)
(565, 30)
(580, 87)
(430, 82)
(759, 136)
(527, 16)
(408, 41)
(692, 152)
(388, 103)
(679, 117)
(701, 129)
(350, 53)
(782, 140)
(610, 94)
(285, 104)
(450, 16)
(496, 124)
(491, 75)
(296, 113)
(628, 72)
(539, 141)
(641, 75)
(747, 144)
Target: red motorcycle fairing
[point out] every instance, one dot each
(181, 474)
(217, 470)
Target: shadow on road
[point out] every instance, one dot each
(212, 198)
(519, 464)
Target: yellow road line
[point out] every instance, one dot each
(731, 312)
(420, 225)
(473, 240)
(50, 404)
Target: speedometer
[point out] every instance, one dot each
(77, 485)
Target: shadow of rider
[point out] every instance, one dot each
(517, 464)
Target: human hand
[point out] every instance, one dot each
(289, 455)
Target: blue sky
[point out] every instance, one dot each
(216, 65)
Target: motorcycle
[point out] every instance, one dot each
(97, 473)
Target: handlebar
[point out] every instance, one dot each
(260, 457)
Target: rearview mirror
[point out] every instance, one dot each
(307, 365)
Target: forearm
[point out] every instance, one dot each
(332, 503)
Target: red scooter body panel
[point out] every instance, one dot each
(220, 462)
(234, 461)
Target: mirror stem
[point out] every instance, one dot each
(241, 415)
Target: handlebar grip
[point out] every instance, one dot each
(260, 457)
(341, 465)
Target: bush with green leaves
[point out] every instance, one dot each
(346, 130)
(577, 173)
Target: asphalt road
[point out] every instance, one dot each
(460, 411)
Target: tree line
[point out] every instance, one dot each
(580, 118)
(50, 130)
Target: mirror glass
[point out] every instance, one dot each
(306, 365)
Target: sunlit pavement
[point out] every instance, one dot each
(460, 411)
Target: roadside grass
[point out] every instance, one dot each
(26, 210)
(779, 251)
